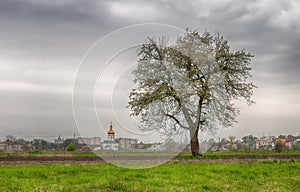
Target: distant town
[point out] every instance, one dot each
(10, 144)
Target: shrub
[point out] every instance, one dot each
(71, 147)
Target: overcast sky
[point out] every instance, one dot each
(43, 42)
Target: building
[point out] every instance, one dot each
(110, 144)
(266, 143)
(296, 144)
(59, 140)
(89, 140)
(289, 142)
(250, 144)
(156, 147)
(93, 143)
(6, 145)
(127, 142)
(139, 145)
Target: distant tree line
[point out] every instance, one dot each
(11, 143)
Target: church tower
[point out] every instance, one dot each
(111, 133)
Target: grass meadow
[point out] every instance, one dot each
(175, 176)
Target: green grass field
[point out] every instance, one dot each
(256, 176)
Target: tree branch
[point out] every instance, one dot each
(177, 121)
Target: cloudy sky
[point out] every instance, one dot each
(43, 42)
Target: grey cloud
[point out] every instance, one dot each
(51, 11)
(38, 28)
(42, 43)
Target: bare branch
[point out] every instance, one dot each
(177, 121)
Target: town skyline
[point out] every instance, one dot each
(70, 136)
(97, 144)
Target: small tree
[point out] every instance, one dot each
(40, 144)
(248, 138)
(231, 141)
(67, 142)
(71, 147)
(279, 146)
(282, 137)
(190, 85)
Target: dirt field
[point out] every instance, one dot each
(17, 160)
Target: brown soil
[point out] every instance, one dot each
(18, 160)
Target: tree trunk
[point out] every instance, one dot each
(194, 143)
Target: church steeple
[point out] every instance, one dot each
(111, 132)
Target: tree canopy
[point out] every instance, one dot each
(190, 85)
